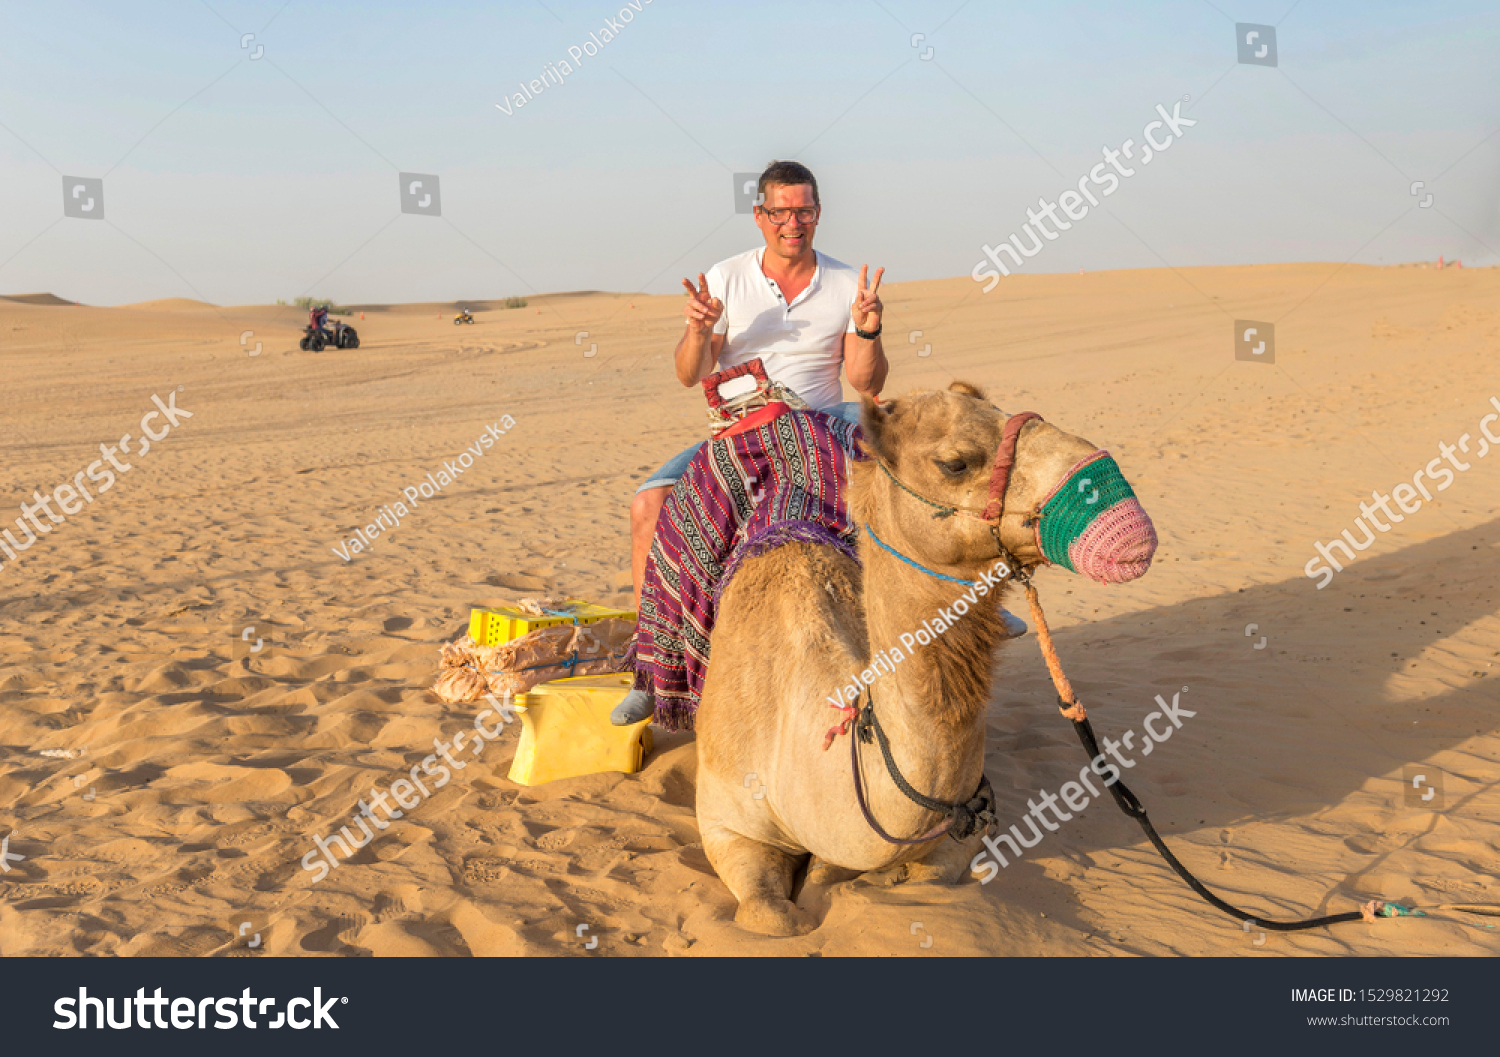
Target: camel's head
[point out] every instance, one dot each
(1066, 501)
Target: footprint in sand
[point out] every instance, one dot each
(401, 901)
(190, 943)
(518, 581)
(339, 936)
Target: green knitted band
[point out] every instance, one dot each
(1093, 486)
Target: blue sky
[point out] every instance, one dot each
(239, 179)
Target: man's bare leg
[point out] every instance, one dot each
(645, 508)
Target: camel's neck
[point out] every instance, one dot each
(932, 644)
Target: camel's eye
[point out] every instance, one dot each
(952, 467)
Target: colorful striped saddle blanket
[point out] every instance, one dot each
(781, 481)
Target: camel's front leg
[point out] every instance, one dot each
(945, 863)
(948, 863)
(761, 878)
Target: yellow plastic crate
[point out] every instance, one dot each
(491, 627)
(566, 732)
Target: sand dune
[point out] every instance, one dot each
(204, 771)
(172, 304)
(37, 299)
(533, 301)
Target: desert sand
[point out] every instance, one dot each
(202, 772)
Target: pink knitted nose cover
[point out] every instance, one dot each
(1093, 524)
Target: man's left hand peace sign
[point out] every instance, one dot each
(867, 307)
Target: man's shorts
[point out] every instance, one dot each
(677, 465)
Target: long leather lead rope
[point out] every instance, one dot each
(1068, 702)
(1072, 708)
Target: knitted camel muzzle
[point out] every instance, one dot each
(1092, 524)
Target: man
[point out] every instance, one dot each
(801, 312)
(804, 314)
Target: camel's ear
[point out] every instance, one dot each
(875, 419)
(969, 390)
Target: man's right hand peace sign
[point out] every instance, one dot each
(703, 310)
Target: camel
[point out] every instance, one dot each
(795, 622)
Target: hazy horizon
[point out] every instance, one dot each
(236, 178)
(358, 304)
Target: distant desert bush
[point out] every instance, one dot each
(310, 303)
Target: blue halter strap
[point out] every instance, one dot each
(916, 565)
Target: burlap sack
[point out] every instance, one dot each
(514, 667)
(458, 653)
(544, 606)
(459, 686)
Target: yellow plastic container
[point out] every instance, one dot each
(491, 627)
(566, 732)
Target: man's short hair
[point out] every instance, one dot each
(787, 174)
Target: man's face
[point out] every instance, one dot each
(791, 239)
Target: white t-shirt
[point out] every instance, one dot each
(801, 344)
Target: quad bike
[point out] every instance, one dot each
(343, 336)
(463, 317)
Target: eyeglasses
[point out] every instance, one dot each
(805, 215)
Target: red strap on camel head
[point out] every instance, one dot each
(1005, 459)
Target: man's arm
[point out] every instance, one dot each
(865, 363)
(698, 350)
(697, 354)
(864, 358)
